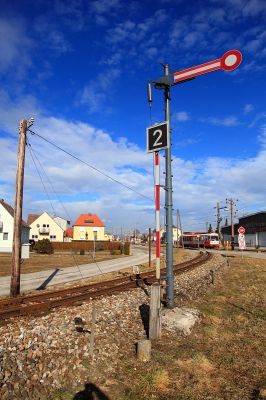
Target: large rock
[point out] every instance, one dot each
(180, 319)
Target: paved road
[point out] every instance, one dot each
(50, 277)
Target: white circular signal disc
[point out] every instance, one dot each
(231, 60)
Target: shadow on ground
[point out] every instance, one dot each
(90, 392)
(144, 310)
(48, 280)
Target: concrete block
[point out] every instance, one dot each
(180, 319)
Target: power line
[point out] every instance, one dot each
(67, 214)
(90, 166)
(30, 151)
(38, 172)
(49, 181)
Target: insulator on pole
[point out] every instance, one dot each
(149, 94)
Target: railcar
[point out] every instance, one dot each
(207, 240)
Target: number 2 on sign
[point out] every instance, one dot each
(157, 143)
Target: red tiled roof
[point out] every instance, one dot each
(10, 210)
(88, 220)
(69, 232)
(32, 218)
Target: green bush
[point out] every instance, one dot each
(43, 246)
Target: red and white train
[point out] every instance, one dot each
(201, 239)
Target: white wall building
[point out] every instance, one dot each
(65, 224)
(7, 228)
(46, 227)
(177, 233)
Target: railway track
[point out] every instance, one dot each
(37, 304)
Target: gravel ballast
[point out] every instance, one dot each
(39, 355)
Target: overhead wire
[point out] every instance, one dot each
(58, 198)
(31, 151)
(38, 172)
(90, 166)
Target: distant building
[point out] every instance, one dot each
(255, 226)
(177, 233)
(64, 223)
(68, 235)
(7, 228)
(46, 227)
(89, 227)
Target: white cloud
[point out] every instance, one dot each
(187, 142)
(138, 41)
(258, 117)
(72, 12)
(13, 39)
(12, 111)
(181, 116)
(248, 108)
(254, 7)
(105, 6)
(198, 184)
(227, 121)
(95, 94)
(50, 36)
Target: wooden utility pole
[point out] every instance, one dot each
(219, 218)
(232, 204)
(16, 253)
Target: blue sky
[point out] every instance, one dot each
(81, 69)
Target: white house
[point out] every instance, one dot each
(46, 227)
(7, 228)
(64, 223)
(177, 233)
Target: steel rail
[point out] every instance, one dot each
(44, 302)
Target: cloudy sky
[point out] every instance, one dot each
(81, 69)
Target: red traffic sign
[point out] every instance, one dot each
(241, 230)
(229, 61)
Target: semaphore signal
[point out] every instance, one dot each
(229, 61)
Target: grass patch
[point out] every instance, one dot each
(224, 357)
(42, 262)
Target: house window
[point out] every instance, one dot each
(44, 225)
(89, 221)
(52, 236)
(47, 225)
(38, 225)
(5, 236)
(34, 236)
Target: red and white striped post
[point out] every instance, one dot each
(157, 212)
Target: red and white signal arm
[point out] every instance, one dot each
(241, 230)
(229, 61)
